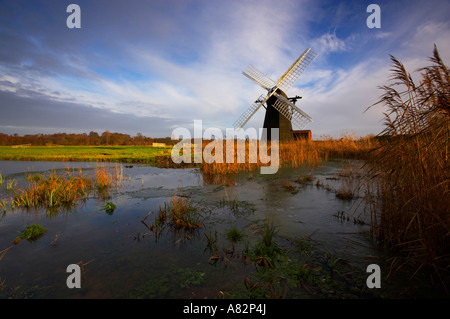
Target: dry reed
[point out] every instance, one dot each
(410, 168)
(57, 191)
(292, 153)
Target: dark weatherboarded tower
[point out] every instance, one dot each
(281, 111)
(274, 119)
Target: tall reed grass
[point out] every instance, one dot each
(53, 191)
(410, 169)
(292, 153)
(61, 190)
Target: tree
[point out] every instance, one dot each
(106, 135)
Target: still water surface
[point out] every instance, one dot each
(122, 258)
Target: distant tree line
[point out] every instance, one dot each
(93, 138)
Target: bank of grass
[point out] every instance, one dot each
(121, 154)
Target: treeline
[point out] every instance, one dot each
(93, 138)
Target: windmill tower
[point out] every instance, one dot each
(281, 111)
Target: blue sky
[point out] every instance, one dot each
(152, 66)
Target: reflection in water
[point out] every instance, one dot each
(127, 259)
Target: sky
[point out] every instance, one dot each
(151, 66)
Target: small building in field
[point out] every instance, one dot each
(159, 144)
(302, 134)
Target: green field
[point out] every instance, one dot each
(123, 154)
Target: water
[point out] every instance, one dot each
(122, 258)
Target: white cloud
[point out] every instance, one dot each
(382, 35)
(329, 42)
(340, 97)
(230, 35)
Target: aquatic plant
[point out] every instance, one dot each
(226, 202)
(189, 278)
(57, 191)
(344, 193)
(179, 213)
(109, 208)
(234, 235)
(3, 204)
(32, 232)
(211, 240)
(304, 179)
(287, 185)
(102, 179)
(266, 251)
(34, 178)
(53, 191)
(10, 184)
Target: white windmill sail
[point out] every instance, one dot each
(293, 73)
(291, 111)
(243, 119)
(285, 82)
(260, 78)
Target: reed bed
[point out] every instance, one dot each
(292, 153)
(65, 190)
(53, 191)
(409, 170)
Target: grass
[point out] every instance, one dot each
(10, 184)
(409, 170)
(304, 179)
(32, 232)
(179, 214)
(109, 208)
(234, 235)
(287, 185)
(266, 251)
(53, 192)
(57, 191)
(122, 154)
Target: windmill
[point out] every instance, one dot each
(276, 99)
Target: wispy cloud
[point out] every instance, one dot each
(329, 43)
(168, 63)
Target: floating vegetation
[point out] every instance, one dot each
(109, 208)
(32, 232)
